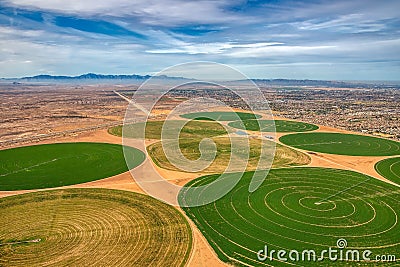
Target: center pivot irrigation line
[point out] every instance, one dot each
(370, 196)
(21, 242)
(315, 144)
(342, 191)
(28, 168)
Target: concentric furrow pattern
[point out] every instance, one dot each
(280, 126)
(299, 209)
(342, 144)
(390, 169)
(283, 156)
(91, 227)
(221, 116)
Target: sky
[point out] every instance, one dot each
(329, 40)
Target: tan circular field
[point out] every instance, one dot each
(282, 156)
(91, 227)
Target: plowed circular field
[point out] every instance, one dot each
(91, 227)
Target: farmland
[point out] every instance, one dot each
(153, 129)
(54, 165)
(247, 151)
(98, 227)
(220, 116)
(390, 169)
(297, 208)
(342, 144)
(280, 126)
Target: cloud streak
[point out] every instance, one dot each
(153, 12)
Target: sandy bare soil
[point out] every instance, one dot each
(202, 253)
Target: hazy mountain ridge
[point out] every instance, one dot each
(94, 76)
(135, 78)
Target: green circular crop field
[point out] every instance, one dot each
(54, 165)
(191, 129)
(390, 169)
(221, 116)
(342, 144)
(298, 209)
(91, 227)
(280, 126)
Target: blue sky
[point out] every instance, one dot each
(339, 40)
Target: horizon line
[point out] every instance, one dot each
(150, 75)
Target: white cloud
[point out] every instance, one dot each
(354, 23)
(292, 10)
(209, 48)
(363, 50)
(279, 50)
(153, 12)
(10, 31)
(37, 54)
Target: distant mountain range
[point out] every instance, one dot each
(92, 77)
(134, 78)
(87, 76)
